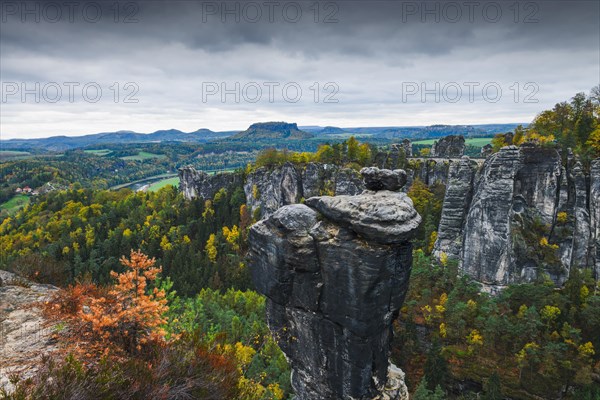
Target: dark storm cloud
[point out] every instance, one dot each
(369, 49)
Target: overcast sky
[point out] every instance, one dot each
(224, 65)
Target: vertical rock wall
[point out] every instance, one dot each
(527, 215)
(193, 183)
(487, 254)
(335, 272)
(268, 189)
(595, 214)
(459, 191)
(449, 147)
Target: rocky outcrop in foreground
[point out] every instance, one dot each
(335, 272)
(24, 335)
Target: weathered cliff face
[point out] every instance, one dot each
(25, 335)
(486, 250)
(429, 172)
(595, 214)
(406, 147)
(449, 147)
(269, 189)
(521, 215)
(335, 272)
(395, 157)
(581, 238)
(459, 191)
(193, 183)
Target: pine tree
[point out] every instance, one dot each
(422, 393)
(131, 314)
(493, 387)
(436, 367)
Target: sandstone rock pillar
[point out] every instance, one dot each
(335, 273)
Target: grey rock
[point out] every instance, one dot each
(269, 189)
(313, 175)
(25, 332)
(333, 292)
(487, 150)
(595, 214)
(457, 199)
(347, 181)
(538, 180)
(194, 183)
(430, 171)
(452, 146)
(582, 230)
(383, 216)
(487, 248)
(520, 191)
(383, 179)
(406, 146)
(394, 158)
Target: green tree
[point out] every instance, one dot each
(423, 393)
(353, 149)
(493, 388)
(436, 367)
(498, 142)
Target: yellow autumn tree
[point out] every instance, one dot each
(211, 248)
(232, 236)
(593, 141)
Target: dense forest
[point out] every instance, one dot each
(573, 125)
(196, 328)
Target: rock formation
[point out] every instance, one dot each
(519, 215)
(449, 147)
(486, 250)
(24, 333)
(194, 183)
(430, 172)
(406, 147)
(272, 130)
(267, 189)
(487, 150)
(378, 179)
(595, 214)
(335, 272)
(507, 219)
(396, 157)
(459, 191)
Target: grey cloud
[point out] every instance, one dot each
(369, 52)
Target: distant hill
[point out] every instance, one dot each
(272, 130)
(62, 143)
(258, 131)
(330, 130)
(416, 132)
(436, 131)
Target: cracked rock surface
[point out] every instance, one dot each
(335, 272)
(24, 334)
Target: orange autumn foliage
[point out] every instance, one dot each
(118, 319)
(129, 315)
